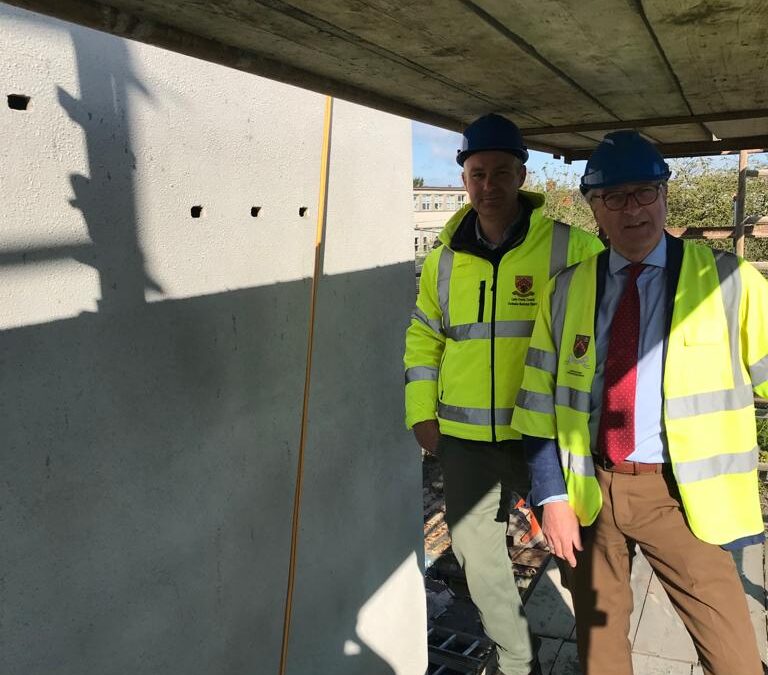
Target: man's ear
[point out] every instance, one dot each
(463, 179)
(523, 174)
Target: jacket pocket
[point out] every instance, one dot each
(704, 333)
(440, 385)
(481, 302)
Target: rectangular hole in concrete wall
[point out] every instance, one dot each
(196, 211)
(302, 211)
(255, 211)
(18, 101)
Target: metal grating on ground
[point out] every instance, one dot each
(455, 653)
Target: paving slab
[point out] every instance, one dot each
(567, 662)
(644, 664)
(751, 565)
(548, 654)
(640, 581)
(549, 607)
(660, 632)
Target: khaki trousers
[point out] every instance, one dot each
(700, 579)
(478, 479)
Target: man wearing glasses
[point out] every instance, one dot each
(637, 415)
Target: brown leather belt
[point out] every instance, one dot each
(632, 468)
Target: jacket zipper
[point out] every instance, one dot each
(481, 302)
(493, 349)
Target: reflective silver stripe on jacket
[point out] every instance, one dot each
(479, 416)
(558, 257)
(535, 402)
(435, 324)
(730, 291)
(558, 302)
(758, 372)
(741, 395)
(420, 373)
(543, 360)
(444, 268)
(709, 402)
(514, 329)
(709, 467)
(578, 464)
(482, 331)
(572, 398)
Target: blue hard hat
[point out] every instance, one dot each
(492, 132)
(623, 157)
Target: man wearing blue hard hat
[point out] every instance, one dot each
(638, 418)
(465, 351)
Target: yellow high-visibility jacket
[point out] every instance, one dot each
(469, 333)
(716, 356)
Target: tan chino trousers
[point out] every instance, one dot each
(701, 580)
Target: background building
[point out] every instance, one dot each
(432, 207)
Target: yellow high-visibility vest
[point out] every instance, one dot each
(716, 357)
(469, 333)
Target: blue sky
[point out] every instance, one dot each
(434, 159)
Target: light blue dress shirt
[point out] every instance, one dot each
(650, 437)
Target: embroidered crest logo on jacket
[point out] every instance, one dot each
(523, 284)
(523, 293)
(578, 355)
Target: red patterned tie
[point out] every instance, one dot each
(616, 436)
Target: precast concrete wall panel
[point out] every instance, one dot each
(359, 460)
(156, 253)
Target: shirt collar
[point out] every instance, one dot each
(657, 257)
(507, 232)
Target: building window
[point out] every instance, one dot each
(415, 202)
(424, 244)
(450, 202)
(425, 203)
(462, 199)
(438, 205)
(416, 244)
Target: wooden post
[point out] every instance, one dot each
(741, 197)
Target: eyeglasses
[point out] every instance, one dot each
(616, 201)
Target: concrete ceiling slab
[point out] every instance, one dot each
(689, 74)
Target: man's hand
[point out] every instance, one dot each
(427, 435)
(561, 528)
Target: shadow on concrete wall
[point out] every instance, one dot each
(149, 453)
(106, 196)
(148, 470)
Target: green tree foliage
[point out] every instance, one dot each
(564, 201)
(762, 437)
(418, 181)
(700, 196)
